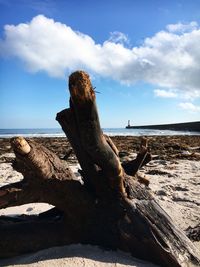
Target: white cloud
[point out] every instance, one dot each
(180, 27)
(118, 37)
(167, 59)
(189, 107)
(190, 95)
(164, 93)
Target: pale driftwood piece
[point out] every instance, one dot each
(114, 211)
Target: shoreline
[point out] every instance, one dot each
(58, 133)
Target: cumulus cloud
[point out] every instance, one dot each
(168, 59)
(180, 27)
(189, 107)
(164, 93)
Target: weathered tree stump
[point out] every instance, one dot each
(110, 207)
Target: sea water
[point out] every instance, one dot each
(57, 132)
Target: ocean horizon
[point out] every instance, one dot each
(58, 132)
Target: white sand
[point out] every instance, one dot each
(76, 256)
(176, 185)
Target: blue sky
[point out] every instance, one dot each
(143, 57)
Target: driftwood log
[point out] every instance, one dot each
(111, 206)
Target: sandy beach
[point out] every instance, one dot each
(174, 174)
(120, 79)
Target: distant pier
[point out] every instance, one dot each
(186, 126)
